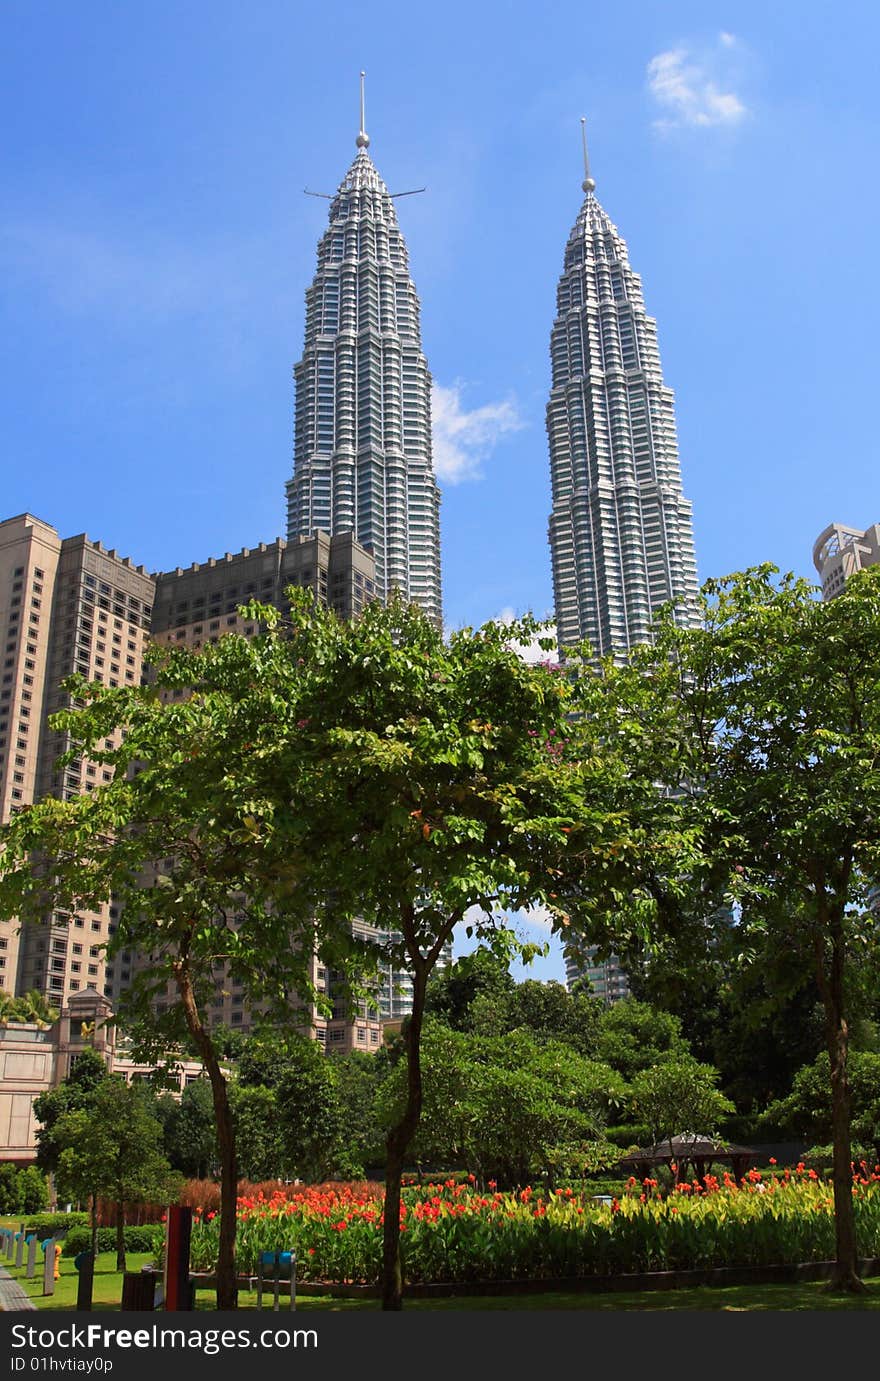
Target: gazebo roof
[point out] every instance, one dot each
(688, 1145)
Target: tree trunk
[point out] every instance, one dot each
(845, 1275)
(120, 1235)
(227, 1290)
(95, 1226)
(396, 1146)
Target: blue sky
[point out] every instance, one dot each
(155, 246)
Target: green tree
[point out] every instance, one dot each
(679, 1096)
(358, 1077)
(760, 1041)
(190, 1131)
(265, 1057)
(506, 1106)
(764, 727)
(8, 1188)
(633, 1036)
(550, 1012)
(22, 1190)
(32, 1190)
(194, 838)
(114, 1149)
(259, 1137)
(308, 1110)
(293, 782)
(806, 1111)
(307, 1123)
(76, 1093)
(452, 991)
(440, 787)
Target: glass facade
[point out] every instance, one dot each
(621, 536)
(362, 443)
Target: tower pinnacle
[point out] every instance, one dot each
(362, 459)
(363, 139)
(588, 183)
(621, 530)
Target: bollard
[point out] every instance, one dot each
(49, 1266)
(19, 1248)
(177, 1288)
(84, 1263)
(32, 1256)
(9, 1243)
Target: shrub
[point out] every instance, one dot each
(148, 1238)
(48, 1224)
(628, 1134)
(33, 1191)
(8, 1191)
(22, 1189)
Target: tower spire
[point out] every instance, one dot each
(588, 183)
(363, 139)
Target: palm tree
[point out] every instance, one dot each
(34, 1007)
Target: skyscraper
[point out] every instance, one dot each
(840, 551)
(65, 606)
(362, 445)
(621, 537)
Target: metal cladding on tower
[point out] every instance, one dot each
(362, 446)
(621, 532)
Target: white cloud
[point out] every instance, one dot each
(694, 88)
(531, 652)
(463, 439)
(538, 916)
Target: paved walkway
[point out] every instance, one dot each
(12, 1296)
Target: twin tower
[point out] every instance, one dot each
(621, 536)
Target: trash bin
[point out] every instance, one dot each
(138, 1291)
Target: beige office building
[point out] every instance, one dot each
(35, 1057)
(66, 605)
(197, 605)
(71, 605)
(840, 551)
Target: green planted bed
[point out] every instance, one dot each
(453, 1232)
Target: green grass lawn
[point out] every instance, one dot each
(810, 1295)
(741, 1298)
(107, 1290)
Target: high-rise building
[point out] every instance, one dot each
(621, 537)
(840, 551)
(606, 977)
(197, 604)
(362, 442)
(65, 606)
(621, 534)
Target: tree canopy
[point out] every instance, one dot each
(114, 1148)
(763, 729)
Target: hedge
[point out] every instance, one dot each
(48, 1224)
(148, 1238)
